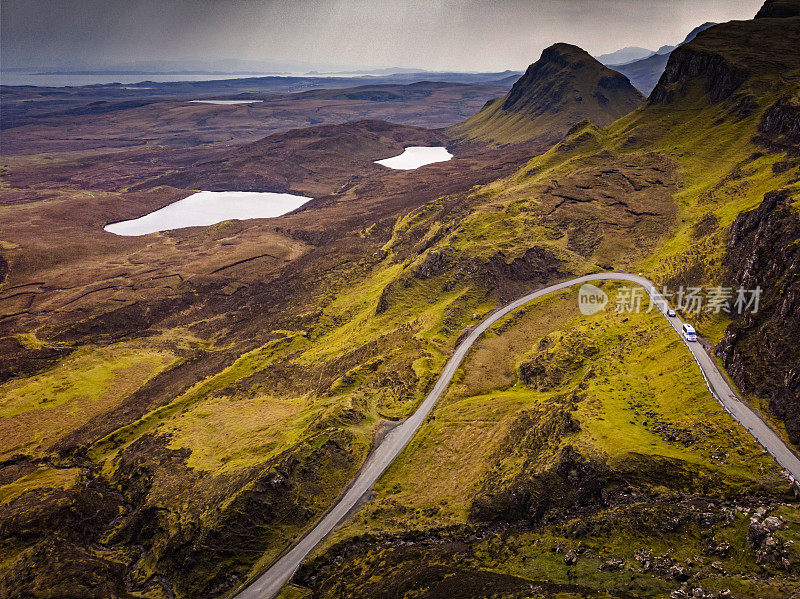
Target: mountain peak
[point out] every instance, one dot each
(563, 68)
(562, 49)
(563, 87)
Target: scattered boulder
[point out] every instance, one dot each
(613, 564)
(680, 573)
(756, 533)
(769, 548)
(773, 523)
(720, 549)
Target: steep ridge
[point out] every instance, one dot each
(778, 9)
(691, 35)
(565, 86)
(730, 54)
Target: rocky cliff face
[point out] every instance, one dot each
(645, 73)
(731, 58)
(685, 64)
(760, 351)
(780, 126)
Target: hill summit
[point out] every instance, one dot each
(779, 9)
(565, 86)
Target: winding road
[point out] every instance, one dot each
(268, 584)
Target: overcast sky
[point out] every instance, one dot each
(432, 34)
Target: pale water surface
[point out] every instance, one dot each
(225, 102)
(209, 207)
(415, 157)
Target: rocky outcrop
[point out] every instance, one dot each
(383, 300)
(687, 63)
(55, 527)
(780, 126)
(748, 57)
(768, 546)
(645, 72)
(760, 351)
(537, 266)
(435, 263)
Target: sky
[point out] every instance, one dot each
(463, 35)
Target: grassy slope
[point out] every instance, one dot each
(36, 412)
(643, 386)
(642, 366)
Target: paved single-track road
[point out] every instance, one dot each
(268, 584)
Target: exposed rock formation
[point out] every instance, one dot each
(727, 55)
(780, 126)
(687, 63)
(760, 351)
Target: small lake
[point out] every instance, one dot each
(210, 207)
(225, 102)
(415, 157)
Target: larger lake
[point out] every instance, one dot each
(209, 207)
(415, 157)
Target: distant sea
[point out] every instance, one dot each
(40, 79)
(69, 79)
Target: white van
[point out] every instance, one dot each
(689, 333)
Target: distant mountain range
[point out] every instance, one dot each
(624, 55)
(645, 70)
